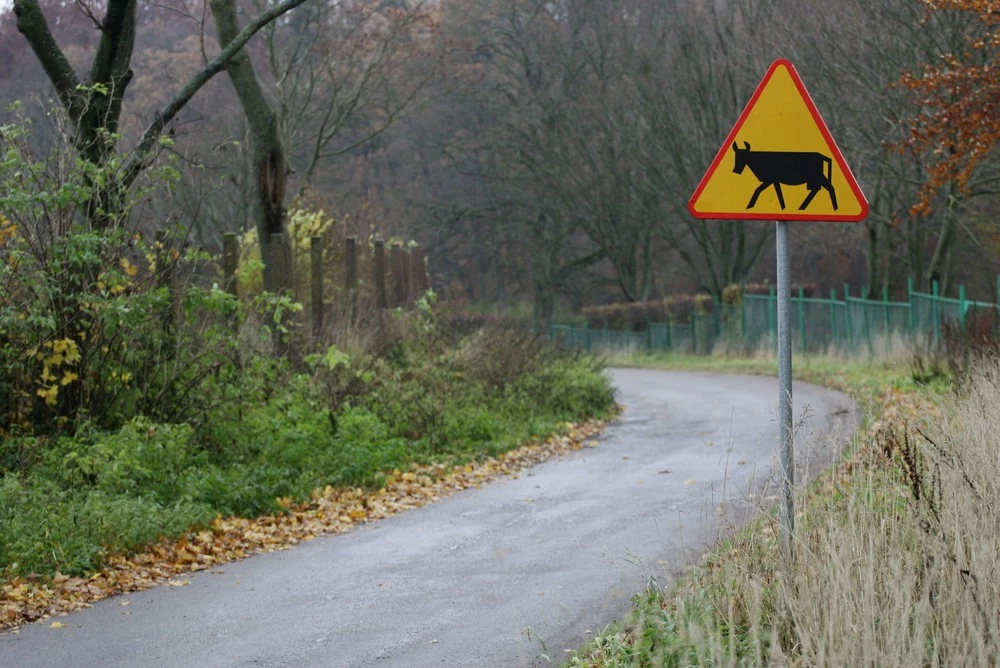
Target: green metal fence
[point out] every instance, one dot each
(851, 322)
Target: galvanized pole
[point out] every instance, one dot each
(785, 436)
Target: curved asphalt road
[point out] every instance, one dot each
(479, 578)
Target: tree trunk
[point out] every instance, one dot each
(872, 256)
(545, 305)
(938, 267)
(94, 106)
(268, 152)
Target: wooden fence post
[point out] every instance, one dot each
(420, 279)
(380, 273)
(280, 259)
(398, 282)
(316, 274)
(351, 273)
(407, 276)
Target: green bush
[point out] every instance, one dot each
(569, 388)
(363, 449)
(45, 528)
(269, 429)
(91, 327)
(469, 425)
(244, 490)
(141, 458)
(137, 402)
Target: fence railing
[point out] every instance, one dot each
(854, 323)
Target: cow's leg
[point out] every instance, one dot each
(781, 197)
(756, 193)
(809, 198)
(833, 195)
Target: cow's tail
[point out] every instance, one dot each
(829, 169)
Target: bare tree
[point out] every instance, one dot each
(859, 69)
(343, 73)
(94, 105)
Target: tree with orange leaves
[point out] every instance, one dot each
(959, 102)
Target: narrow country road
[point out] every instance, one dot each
(486, 577)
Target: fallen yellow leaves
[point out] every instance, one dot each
(330, 510)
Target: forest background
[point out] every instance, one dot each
(544, 152)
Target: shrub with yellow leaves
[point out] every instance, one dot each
(8, 230)
(89, 329)
(58, 354)
(302, 226)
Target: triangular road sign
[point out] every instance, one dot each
(779, 162)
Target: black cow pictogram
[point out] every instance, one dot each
(790, 168)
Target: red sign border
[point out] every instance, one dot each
(837, 155)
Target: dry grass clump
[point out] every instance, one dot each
(899, 567)
(897, 553)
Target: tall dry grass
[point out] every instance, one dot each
(901, 569)
(897, 560)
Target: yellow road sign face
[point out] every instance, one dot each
(779, 162)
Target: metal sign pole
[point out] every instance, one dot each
(785, 435)
(792, 147)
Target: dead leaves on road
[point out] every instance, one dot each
(330, 510)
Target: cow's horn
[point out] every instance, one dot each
(747, 144)
(735, 147)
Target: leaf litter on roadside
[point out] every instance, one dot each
(329, 511)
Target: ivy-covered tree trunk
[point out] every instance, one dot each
(268, 153)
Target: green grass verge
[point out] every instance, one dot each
(69, 501)
(857, 376)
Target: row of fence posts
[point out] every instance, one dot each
(407, 269)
